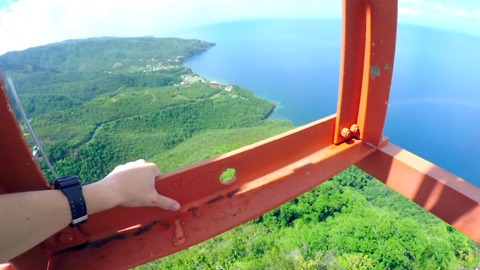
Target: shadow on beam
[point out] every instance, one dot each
(447, 196)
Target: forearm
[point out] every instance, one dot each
(28, 218)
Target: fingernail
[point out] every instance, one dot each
(175, 206)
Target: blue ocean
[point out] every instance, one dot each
(434, 107)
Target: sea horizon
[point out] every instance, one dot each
(435, 93)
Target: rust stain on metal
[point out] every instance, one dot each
(124, 235)
(375, 72)
(232, 193)
(194, 211)
(178, 236)
(218, 198)
(388, 66)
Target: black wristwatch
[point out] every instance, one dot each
(72, 188)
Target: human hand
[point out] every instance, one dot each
(133, 185)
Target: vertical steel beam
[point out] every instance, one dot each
(351, 65)
(369, 35)
(20, 171)
(381, 34)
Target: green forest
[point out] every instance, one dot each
(351, 221)
(100, 102)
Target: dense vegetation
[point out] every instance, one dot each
(138, 123)
(350, 222)
(100, 102)
(66, 74)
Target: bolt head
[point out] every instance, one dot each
(346, 133)
(354, 128)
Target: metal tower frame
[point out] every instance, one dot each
(268, 173)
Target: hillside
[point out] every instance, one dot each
(67, 74)
(97, 103)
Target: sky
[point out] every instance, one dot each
(29, 23)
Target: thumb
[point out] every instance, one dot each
(165, 203)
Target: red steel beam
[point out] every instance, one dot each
(445, 195)
(269, 174)
(20, 171)
(351, 65)
(381, 34)
(368, 52)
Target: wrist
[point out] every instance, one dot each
(100, 197)
(72, 188)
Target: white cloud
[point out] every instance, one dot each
(27, 23)
(405, 11)
(454, 15)
(438, 6)
(31, 22)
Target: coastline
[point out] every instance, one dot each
(195, 77)
(269, 114)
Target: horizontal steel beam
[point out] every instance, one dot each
(447, 196)
(268, 174)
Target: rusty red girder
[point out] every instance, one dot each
(268, 173)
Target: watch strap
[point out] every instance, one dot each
(72, 188)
